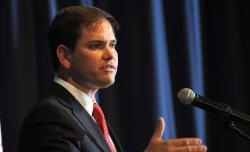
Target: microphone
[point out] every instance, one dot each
(187, 97)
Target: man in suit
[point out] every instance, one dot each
(82, 41)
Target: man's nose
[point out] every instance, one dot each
(109, 53)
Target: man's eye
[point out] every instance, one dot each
(112, 45)
(94, 46)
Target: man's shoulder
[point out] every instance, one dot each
(48, 121)
(49, 101)
(47, 108)
(49, 112)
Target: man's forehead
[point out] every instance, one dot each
(102, 22)
(99, 31)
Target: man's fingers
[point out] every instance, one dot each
(159, 129)
(184, 142)
(196, 148)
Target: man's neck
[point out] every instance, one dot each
(89, 91)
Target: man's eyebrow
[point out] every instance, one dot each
(102, 41)
(114, 41)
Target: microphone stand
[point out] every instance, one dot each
(229, 123)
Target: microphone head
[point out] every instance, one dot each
(186, 96)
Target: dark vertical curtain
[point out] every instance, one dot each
(163, 46)
(226, 39)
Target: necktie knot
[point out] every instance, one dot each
(97, 112)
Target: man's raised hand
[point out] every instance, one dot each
(157, 144)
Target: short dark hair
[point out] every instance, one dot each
(67, 24)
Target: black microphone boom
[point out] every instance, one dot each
(188, 97)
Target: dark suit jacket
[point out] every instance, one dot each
(60, 123)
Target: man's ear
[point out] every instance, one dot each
(63, 54)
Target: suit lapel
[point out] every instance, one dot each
(82, 115)
(114, 138)
(93, 130)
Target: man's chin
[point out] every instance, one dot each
(104, 83)
(107, 84)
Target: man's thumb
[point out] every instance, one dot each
(159, 128)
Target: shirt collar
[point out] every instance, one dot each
(80, 96)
